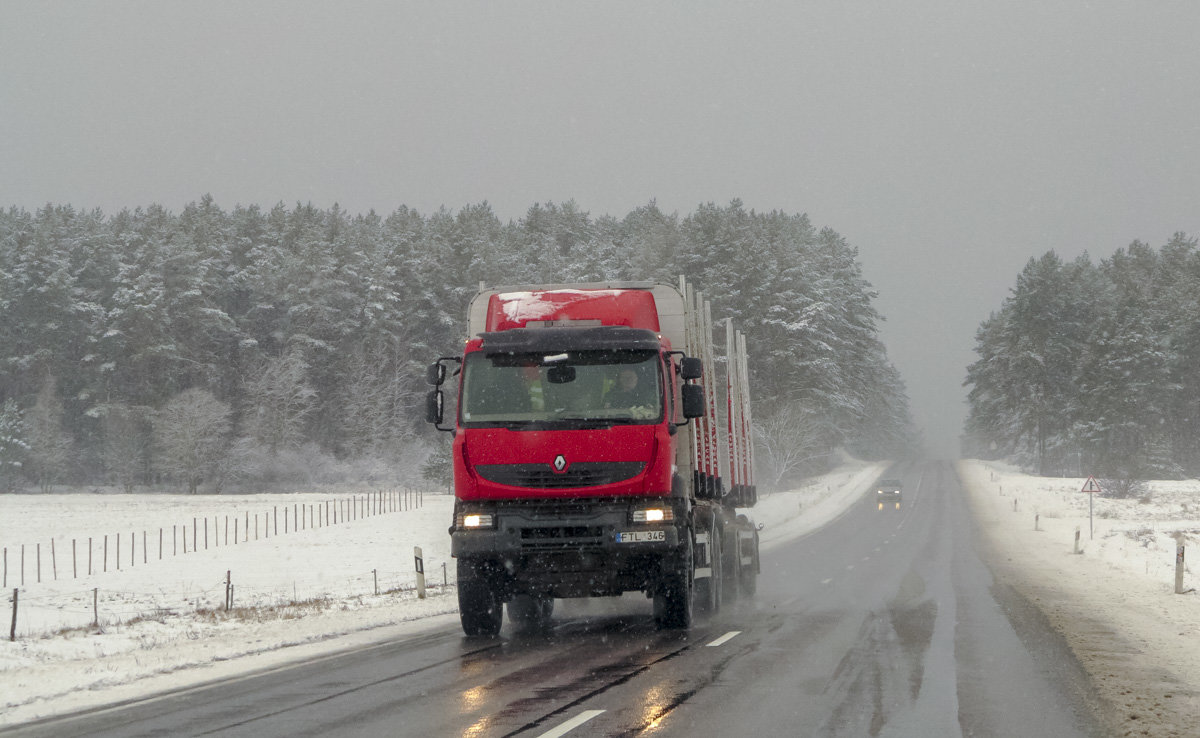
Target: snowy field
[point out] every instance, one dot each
(296, 595)
(1115, 599)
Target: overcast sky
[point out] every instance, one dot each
(948, 141)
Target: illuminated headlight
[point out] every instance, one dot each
(880, 491)
(653, 515)
(475, 520)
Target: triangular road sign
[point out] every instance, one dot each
(1091, 485)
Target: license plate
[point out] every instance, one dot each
(642, 536)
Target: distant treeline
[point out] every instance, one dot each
(1094, 368)
(210, 346)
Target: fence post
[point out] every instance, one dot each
(228, 582)
(118, 552)
(74, 561)
(53, 560)
(235, 530)
(1036, 521)
(38, 548)
(1076, 539)
(22, 564)
(375, 573)
(6, 567)
(96, 607)
(89, 556)
(1178, 568)
(105, 552)
(145, 553)
(12, 632)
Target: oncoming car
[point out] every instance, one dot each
(888, 491)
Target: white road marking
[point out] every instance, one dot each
(571, 724)
(826, 581)
(728, 636)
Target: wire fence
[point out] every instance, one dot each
(255, 596)
(30, 563)
(259, 558)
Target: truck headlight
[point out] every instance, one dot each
(653, 515)
(475, 521)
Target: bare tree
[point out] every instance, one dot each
(381, 399)
(787, 442)
(127, 442)
(280, 399)
(193, 432)
(49, 445)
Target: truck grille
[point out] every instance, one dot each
(543, 476)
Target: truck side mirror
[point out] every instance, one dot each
(693, 400)
(691, 368)
(433, 407)
(435, 374)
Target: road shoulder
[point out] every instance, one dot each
(1125, 632)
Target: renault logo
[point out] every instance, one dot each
(560, 463)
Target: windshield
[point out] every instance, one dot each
(576, 387)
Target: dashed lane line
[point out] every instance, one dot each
(571, 724)
(725, 638)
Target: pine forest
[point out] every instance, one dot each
(212, 350)
(1094, 368)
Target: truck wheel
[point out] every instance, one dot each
(673, 602)
(528, 609)
(730, 565)
(479, 605)
(673, 591)
(749, 575)
(708, 589)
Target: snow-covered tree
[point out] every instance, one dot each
(14, 449)
(50, 447)
(192, 431)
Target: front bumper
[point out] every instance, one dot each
(573, 548)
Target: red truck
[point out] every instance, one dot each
(587, 460)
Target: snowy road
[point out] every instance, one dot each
(885, 622)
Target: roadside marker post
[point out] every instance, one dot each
(1092, 488)
(420, 562)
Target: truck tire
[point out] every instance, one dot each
(730, 565)
(479, 606)
(749, 575)
(530, 610)
(673, 593)
(707, 590)
(673, 602)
